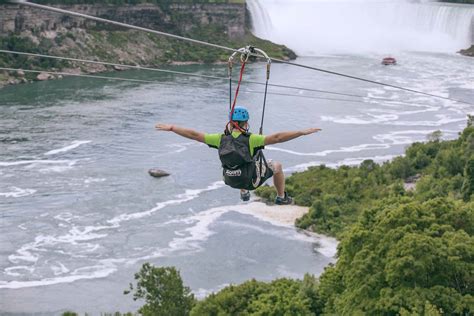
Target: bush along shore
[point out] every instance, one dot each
(404, 249)
(220, 22)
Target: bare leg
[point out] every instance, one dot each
(279, 179)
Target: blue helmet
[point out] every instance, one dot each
(240, 114)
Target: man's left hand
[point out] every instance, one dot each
(164, 127)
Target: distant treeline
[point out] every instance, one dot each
(459, 1)
(121, 2)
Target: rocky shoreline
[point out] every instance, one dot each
(28, 30)
(468, 52)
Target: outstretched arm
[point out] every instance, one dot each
(286, 136)
(185, 132)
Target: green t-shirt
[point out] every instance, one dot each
(255, 141)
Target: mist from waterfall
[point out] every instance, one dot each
(312, 27)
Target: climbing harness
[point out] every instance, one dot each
(240, 170)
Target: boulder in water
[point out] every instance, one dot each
(158, 173)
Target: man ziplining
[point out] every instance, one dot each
(240, 152)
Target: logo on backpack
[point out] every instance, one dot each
(233, 173)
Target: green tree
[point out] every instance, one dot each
(435, 136)
(468, 185)
(282, 297)
(404, 255)
(163, 291)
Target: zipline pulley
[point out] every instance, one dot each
(245, 53)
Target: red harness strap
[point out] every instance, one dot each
(234, 123)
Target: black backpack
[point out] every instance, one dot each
(240, 169)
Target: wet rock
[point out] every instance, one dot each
(158, 173)
(44, 76)
(119, 68)
(20, 73)
(467, 52)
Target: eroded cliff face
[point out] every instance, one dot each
(173, 17)
(38, 31)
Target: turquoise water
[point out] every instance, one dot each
(80, 214)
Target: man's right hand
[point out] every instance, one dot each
(310, 131)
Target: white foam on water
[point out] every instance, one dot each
(345, 162)
(72, 146)
(22, 226)
(442, 120)
(386, 141)
(359, 119)
(66, 217)
(281, 216)
(386, 120)
(59, 269)
(24, 254)
(79, 239)
(285, 272)
(37, 162)
(53, 168)
(94, 180)
(17, 192)
(358, 160)
(402, 113)
(411, 136)
(192, 237)
(76, 237)
(10, 270)
(180, 147)
(324, 153)
(101, 270)
(203, 293)
(286, 234)
(188, 195)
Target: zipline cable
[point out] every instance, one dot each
(183, 38)
(110, 64)
(138, 67)
(165, 83)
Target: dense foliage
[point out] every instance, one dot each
(405, 255)
(280, 297)
(163, 291)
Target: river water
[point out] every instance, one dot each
(80, 214)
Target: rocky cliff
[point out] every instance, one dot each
(33, 30)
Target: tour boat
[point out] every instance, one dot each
(389, 61)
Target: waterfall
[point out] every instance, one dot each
(312, 27)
